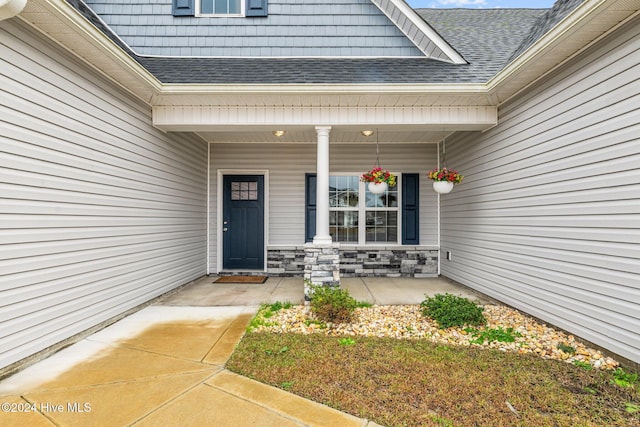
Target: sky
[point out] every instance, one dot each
(482, 4)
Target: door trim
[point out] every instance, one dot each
(219, 214)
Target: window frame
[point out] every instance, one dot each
(362, 210)
(220, 15)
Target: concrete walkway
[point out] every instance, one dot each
(164, 365)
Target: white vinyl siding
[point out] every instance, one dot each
(548, 217)
(99, 211)
(287, 165)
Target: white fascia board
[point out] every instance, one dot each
(275, 89)
(423, 27)
(581, 18)
(209, 118)
(324, 95)
(79, 25)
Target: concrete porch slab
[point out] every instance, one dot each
(375, 290)
(403, 291)
(206, 293)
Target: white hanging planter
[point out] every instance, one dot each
(378, 187)
(442, 187)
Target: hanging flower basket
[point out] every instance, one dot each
(379, 180)
(444, 179)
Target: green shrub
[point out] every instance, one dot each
(450, 310)
(332, 304)
(493, 335)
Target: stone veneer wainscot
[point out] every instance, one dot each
(360, 261)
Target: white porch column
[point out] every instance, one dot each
(322, 236)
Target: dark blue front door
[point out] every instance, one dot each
(243, 222)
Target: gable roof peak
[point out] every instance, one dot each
(418, 31)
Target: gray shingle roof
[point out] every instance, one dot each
(547, 21)
(487, 39)
(309, 70)
(483, 36)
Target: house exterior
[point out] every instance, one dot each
(138, 152)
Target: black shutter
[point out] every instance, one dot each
(256, 8)
(310, 206)
(410, 209)
(184, 8)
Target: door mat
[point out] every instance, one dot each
(241, 279)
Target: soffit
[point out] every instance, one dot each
(338, 135)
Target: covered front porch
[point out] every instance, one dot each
(284, 169)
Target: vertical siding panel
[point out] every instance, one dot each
(287, 165)
(99, 211)
(548, 218)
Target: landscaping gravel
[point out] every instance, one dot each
(407, 321)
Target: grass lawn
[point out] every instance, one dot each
(406, 382)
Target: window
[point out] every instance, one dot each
(382, 216)
(244, 190)
(358, 216)
(344, 194)
(221, 7)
